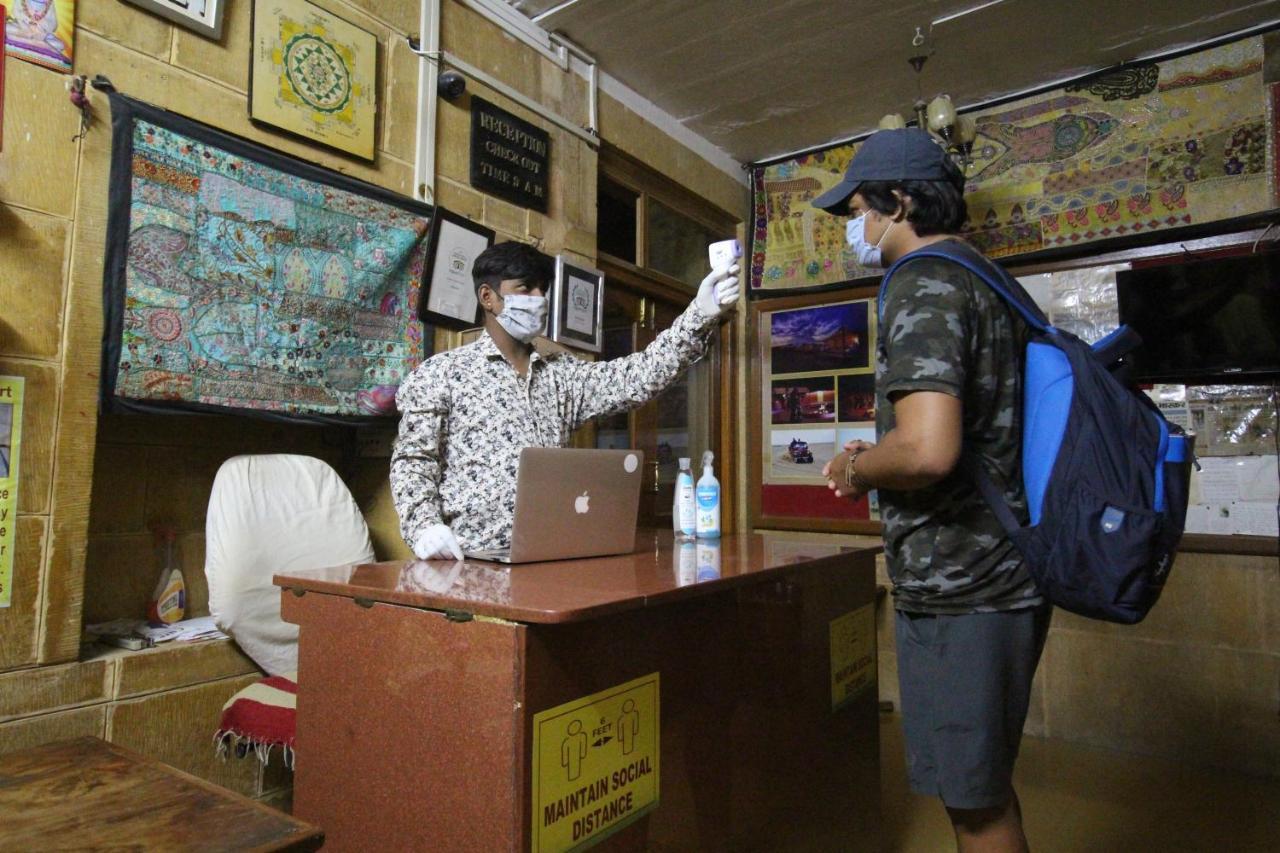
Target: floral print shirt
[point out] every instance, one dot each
(466, 415)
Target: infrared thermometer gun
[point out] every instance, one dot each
(723, 255)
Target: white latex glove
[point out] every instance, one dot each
(437, 542)
(718, 292)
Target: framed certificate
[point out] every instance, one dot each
(455, 243)
(199, 16)
(577, 306)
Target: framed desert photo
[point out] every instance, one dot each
(199, 16)
(577, 306)
(814, 373)
(314, 75)
(450, 297)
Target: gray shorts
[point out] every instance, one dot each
(965, 683)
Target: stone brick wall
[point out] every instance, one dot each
(1198, 680)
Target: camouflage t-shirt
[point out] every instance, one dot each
(945, 330)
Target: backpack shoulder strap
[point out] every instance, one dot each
(999, 280)
(1013, 293)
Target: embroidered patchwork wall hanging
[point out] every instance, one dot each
(1184, 142)
(237, 278)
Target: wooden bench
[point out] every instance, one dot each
(89, 794)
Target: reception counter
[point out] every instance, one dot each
(683, 697)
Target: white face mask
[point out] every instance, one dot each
(855, 235)
(523, 316)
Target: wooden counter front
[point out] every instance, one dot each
(419, 681)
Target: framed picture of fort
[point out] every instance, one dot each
(814, 371)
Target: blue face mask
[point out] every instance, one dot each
(855, 235)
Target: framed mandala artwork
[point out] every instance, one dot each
(314, 75)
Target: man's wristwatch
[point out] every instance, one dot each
(852, 478)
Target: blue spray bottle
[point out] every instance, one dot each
(708, 500)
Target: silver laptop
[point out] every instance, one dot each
(572, 503)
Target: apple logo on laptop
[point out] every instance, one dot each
(582, 504)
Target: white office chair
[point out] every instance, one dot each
(267, 514)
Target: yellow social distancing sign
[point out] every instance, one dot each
(853, 654)
(595, 765)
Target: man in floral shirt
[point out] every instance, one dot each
(467, 413)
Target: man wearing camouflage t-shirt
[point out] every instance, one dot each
(970, 624)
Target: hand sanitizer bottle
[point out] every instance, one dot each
(708, 498)
(686, 514)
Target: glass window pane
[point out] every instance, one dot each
(678, 245)
(684, 427)
(616, 222)
(614, 431)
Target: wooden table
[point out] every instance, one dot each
(443, 705)
(87, 794)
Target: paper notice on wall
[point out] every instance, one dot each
(1232, 479)
(11, 388)
(1245, 518)
(1255, 518)
(1207, 518)
(1171, 400)
(1258, 478)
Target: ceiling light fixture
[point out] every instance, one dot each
(952, 131)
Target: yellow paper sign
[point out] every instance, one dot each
(853, 654)
(10, 441)
(595, 765)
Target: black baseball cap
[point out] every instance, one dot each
(902, 154)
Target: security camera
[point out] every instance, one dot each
(451, 85)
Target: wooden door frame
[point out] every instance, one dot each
(626, 171)
(723, 435)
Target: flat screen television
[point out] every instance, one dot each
(1204, 321)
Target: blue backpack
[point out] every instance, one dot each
(1106, 476)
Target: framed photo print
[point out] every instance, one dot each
(815, 370)
(314, 75)
(41, 31)
(577, 306)
(449, 299)
(2, 19)
(199, 16)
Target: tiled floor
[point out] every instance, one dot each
(1076, 799)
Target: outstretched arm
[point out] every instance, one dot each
(606, 387)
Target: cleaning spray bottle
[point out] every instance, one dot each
(708, 499)
(168, 603)
(685, 509)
